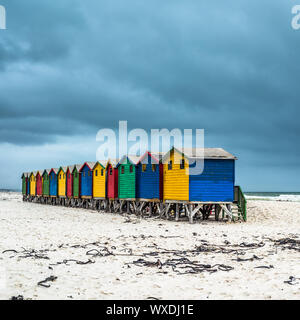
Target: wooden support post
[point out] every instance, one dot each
(150, 209)
(177, 212)
(128, 206)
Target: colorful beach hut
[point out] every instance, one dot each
(24, 183)
(69, 183)
(53, 182)
(99, 180)
(184, 181)
(76, 180)
(62, 182)
(32, 179)
(46, 185)
(39, 183)
(28, 183)
(149, 177)
(112, 179)
(127, 177)
(86, 180)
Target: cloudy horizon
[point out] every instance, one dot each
(70, 68)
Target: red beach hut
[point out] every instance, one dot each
(39, 183)
(112, 179)
(69, 181)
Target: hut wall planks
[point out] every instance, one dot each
(112, 182)
(99, 181)
(215, 183)
(148, 179)
(176, 180)
(127, 180)
(61, 183)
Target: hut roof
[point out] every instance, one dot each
(64, 169)
(90, 164)
(132, 159)
(156, 156)
(75, 166)
(101, 162)
(113, 162)
(25, 174)
(208, 153)
(55, 170)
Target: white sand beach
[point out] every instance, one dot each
(69, 235)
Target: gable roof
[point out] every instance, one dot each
(64, 169)
(99, 162)
(25, 175)
(132, 159)
(209, 153)
(75, 166)
(55, 170)
(113, 162)
(47, 171)
(89, 164)
(156, 156)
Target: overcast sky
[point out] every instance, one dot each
(71, 67)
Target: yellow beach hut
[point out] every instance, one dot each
(32, 179)
(99, 180)
(62, 181)
(175, 176)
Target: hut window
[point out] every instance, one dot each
(96, 173)
(75, 174)
(122, 169)
(83, 173)
(170, 165)
(154, 167)
(110, 171)
(50, 177)
(101, 172)
(182, 164)
(131, 168)
(89, 173)
(144, 167)
(60, 176)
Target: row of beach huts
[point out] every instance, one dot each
(153, 184)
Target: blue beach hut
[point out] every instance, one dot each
(86, 179)
(215, 183)
(53, 182)
(149, 179)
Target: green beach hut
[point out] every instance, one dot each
(46, 185)
(127, 177)
(76, 180)
(24, 183)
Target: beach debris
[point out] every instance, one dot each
(292, 280)
(11, 250)
(104, 252)
(66, 261)
(19, 297)
(43, 282)
(265, 267)
(288, 243)
(183, 265)
(254, 257)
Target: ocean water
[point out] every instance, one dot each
(277, 196)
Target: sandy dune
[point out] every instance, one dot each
(170, 251)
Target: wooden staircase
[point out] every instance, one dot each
(237, 211)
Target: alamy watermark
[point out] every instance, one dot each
(137, 142)
(2, 17)
(296, 19)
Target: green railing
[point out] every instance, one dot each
(241, 201)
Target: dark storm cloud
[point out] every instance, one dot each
(72, 67)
